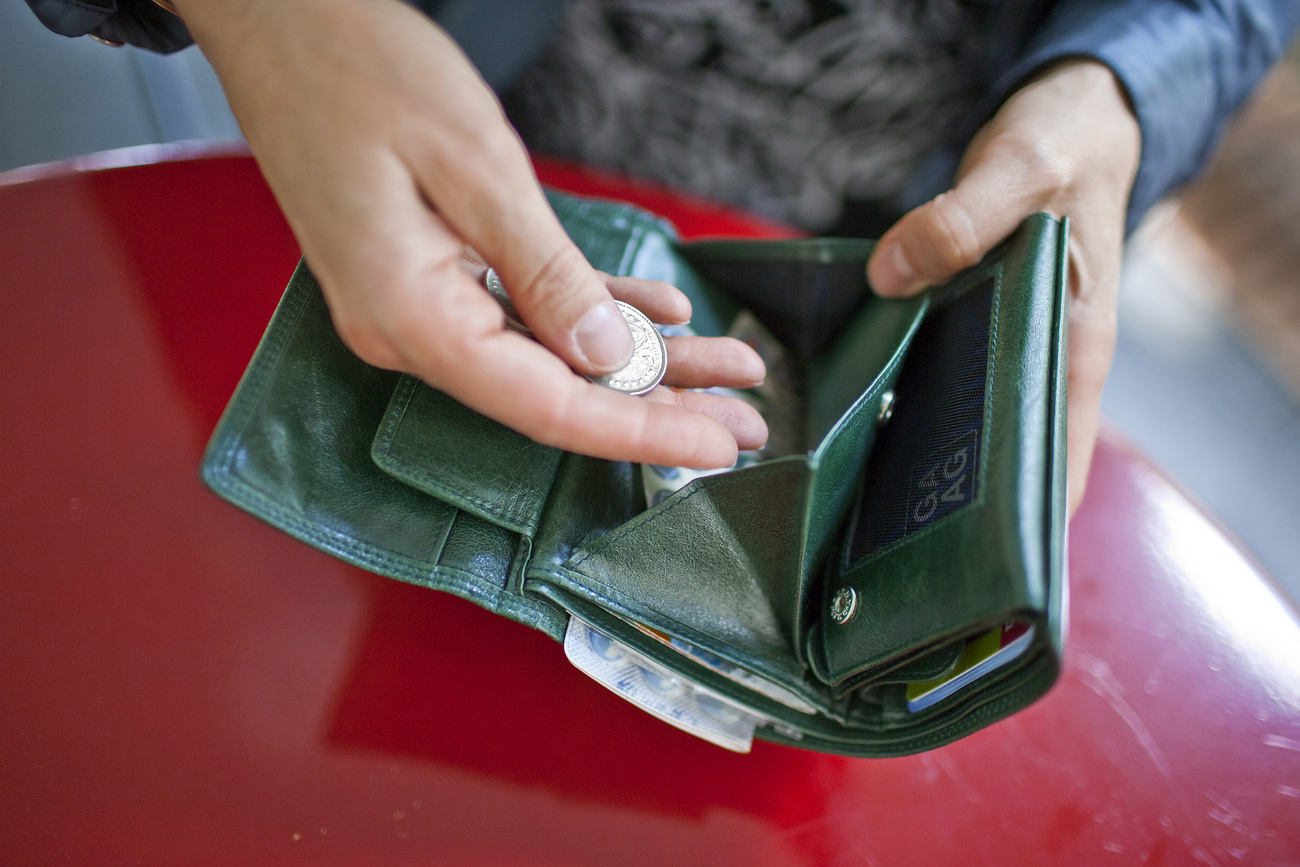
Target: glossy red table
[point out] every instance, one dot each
(183, 685)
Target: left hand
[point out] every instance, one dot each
(1066, 143)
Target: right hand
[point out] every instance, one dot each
(388, 154)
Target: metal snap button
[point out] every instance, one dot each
(844, 605)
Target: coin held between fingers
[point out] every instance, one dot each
(649, 360)
(493, 284)
(643, 371)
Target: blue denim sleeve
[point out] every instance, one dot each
(1186, 64)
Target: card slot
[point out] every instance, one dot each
(883, 708)
(853, 395)
(874, 726)
(437, 445)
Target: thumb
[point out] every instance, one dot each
(565, 301)
(473, 171)
(561, 298)
(954, 230)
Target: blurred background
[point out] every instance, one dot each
(1206, 378)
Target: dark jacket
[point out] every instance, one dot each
(1186, 64)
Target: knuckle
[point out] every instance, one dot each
(548, 420)
(1048, 165)
(559, 280)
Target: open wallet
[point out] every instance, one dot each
(890, 579)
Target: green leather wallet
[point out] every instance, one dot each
(927, 512)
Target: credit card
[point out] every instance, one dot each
(981, 655)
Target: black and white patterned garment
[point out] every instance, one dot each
(783, 107)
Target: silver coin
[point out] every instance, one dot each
(643, 370)
(649, 360)
(493, 284)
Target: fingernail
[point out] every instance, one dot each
(893, 274)
(603, 337)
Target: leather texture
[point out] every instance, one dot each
(945, 522)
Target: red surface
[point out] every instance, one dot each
(183, 684)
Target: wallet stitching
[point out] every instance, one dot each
(243, 414)
(273, 509)
(398, 565)
(995, 318)
(520, 520)
(614, 599)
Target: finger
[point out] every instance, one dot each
(956, 229)
(742, 420)
(705, 362)
(1085, 387)
(1094, 279)
(557, 293)
(662, 302)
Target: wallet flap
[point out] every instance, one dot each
(716, 564)
(438, 445)
(852, 395)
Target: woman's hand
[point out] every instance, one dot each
(1066, 143)
(388, 154)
